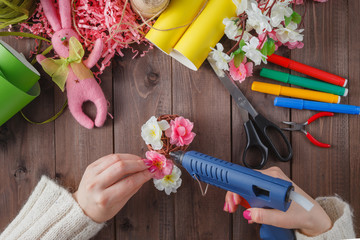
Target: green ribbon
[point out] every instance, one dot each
(15, 11)
(58, 69)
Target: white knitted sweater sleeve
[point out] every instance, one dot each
(341, 217)
(51, 213)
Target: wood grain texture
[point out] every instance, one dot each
(354, 123)
(200, 97)
(142, 88)
(26, 151)
(319, 171)
(77, 147)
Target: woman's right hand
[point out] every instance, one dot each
(109, 183)
(312, 223)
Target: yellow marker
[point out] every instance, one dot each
(278, 90)
(190, 45)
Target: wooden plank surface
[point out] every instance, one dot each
(354, 123)
(154, 85)
(200, 97)
(321, 171)
(142, 88)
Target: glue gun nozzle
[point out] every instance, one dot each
(177, 156)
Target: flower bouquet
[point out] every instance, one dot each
(261, 26)
(163, 135)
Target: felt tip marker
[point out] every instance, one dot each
(278, 90)
(308, 70)
(303, 82)
(317, 106)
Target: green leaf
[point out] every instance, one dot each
(238, 59)
(264, 49)
(287, 20)
(238, 51)
(242, 43)
(271, 49)
(295, 17)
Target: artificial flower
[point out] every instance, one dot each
(158, 164)
(241, 6)
(278, 13)
(170, 183)
(233, 32)
(220, 57)
(293, 45)
(180, 131)
(244, 70)
(257, 20)
(264, 36)
(252, 52)
(289, 33)
(231, 29)
(151, 132)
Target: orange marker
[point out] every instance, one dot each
(278, 90)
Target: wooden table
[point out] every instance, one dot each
(156, 84)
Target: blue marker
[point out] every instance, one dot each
(318, 106)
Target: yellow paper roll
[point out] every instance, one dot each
(194, 46)
(178, 13)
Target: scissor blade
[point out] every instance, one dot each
(237, 95)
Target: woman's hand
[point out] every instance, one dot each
(311, 223)
(109, 183)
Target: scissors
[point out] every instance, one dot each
(255, 136)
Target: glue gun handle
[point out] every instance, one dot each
(268, 232)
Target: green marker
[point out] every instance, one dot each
(303, 82)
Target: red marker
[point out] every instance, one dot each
(308, 70)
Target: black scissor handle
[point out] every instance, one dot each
(263, 126)
(253, 141)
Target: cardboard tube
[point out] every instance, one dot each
(194, 46)
(18, 82)
(178, 13)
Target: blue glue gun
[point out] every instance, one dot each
(260, 190)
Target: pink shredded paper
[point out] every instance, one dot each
(94, 19)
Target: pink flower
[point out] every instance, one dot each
(240, 73)
(158, 164)
(271, 34)
(180, 131)
(293, 45)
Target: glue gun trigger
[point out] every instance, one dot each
(244, 203)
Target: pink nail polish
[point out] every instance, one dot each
(247, 215)
(152, 170)
(230, 209)
(234, 200)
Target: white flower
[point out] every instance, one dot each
(240, 6)
(289, 34)
(232, 30)
(152, 130)
(169, 183)
(278, 13)
(252, 52)
(257, 20)
(220, 59)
